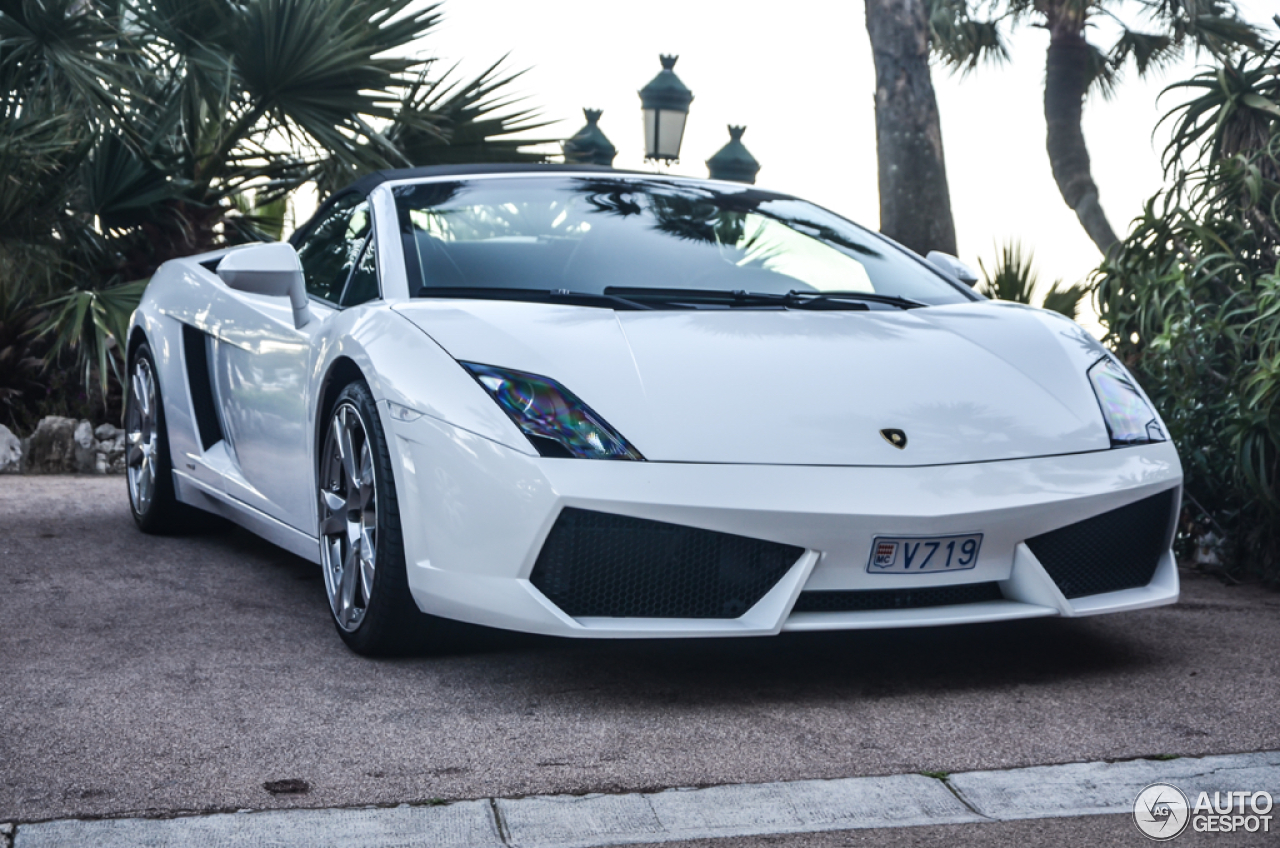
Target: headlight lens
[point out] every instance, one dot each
(554, 420)
(1130, 419)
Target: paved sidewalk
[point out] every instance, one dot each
(743, 810)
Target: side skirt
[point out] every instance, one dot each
(202, 496)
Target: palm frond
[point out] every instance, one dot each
(36, 158)
(962, 41)
(121, 187)
(325, 69)
(62, 56)
(1103, 72)
(1014, 278)
(1066, 299)
(91, 324)
(1223, 35)
(1149, 51)
(446, 121)
(1212, 25)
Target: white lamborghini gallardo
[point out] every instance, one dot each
(586, 402)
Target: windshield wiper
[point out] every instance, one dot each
(633, 298)
(679, 296)
(573, 298)
(800, 298)
(793, 299)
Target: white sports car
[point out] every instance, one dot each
(586, 402)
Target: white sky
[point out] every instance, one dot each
(800, 76)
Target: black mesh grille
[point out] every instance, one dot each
(1116, 550)
(596, 564)
(882, 599)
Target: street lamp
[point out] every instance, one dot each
(590, 146)
(665, 102)
(733, 161)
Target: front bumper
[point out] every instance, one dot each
(476, 514)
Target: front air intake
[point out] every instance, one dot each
(1116, 550)
(599, 564)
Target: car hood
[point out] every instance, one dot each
(968, 383)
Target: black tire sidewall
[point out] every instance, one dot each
(392, 622)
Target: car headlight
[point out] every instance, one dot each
(554, 420)
(1130, 419)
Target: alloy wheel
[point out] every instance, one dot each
(348, 516)
(142, 435)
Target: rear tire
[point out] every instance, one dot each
(361, 544)
(148, 463)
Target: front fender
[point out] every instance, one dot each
(405, 366)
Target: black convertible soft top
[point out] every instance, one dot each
(364, 185)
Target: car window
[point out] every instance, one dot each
(329, 250)
(363, 285)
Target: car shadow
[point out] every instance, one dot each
(863, 663)
(868, 663)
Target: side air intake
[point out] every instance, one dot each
(195, 350)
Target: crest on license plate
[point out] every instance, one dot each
(886, 553)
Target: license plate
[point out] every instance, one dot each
(923, 554)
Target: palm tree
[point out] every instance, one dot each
(962, 38)
(134, 131)
(915, 202)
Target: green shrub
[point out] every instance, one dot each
(1191, 302)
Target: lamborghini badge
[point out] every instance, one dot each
(897, 438)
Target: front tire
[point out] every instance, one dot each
(361, 545)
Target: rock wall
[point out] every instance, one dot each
(10, 451)
(63, 446)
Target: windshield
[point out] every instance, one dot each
(631, 238)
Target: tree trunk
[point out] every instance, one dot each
(915, 204)
(1066, 80)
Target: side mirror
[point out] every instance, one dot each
(271, 269)
(953, 267)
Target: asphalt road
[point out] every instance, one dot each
(144, 675)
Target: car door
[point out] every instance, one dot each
(264, 381)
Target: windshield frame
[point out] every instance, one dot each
(387, 213)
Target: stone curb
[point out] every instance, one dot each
(587, 821)
(1086, 789)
